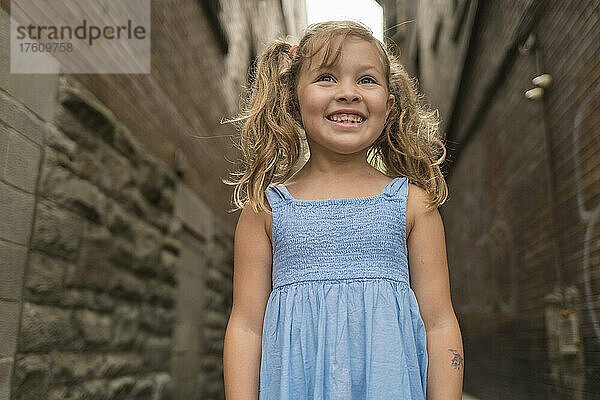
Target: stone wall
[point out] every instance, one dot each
(203, 299)
(127, 280)
(99, 286)
(115, 244)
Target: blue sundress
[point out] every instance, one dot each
(342, 321)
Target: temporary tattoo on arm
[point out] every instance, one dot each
(457, 361)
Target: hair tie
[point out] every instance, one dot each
(292, 50)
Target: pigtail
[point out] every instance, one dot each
(410, 144)
(270, 139)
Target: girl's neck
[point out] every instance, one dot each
(336, 171)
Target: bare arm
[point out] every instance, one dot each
(430, 282)
(251, 290)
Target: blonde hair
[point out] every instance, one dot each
(409, 145)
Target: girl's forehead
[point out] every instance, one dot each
(329, 53)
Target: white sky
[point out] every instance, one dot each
(366, 11)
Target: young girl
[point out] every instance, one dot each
(323, 306)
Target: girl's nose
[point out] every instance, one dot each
(348, 93)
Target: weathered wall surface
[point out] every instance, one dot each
(98, 295)
(116, 261)
(195, 83)
(521, 220)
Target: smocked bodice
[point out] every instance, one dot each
(339, 238)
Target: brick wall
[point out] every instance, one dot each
(524, 185)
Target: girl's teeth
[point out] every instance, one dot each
(346, 118)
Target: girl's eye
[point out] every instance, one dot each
(367, 79)
(324, 78)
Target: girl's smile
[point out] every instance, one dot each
(346, 119)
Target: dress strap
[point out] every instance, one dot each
(397, 188)
(275, 194)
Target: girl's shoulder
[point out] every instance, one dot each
(416, 202)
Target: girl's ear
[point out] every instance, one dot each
(390, 104)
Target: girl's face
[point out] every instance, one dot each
(344, 107)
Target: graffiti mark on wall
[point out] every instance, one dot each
(591, 216)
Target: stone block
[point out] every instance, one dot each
(123, 253)
(135, 202)
(126, 143)
(95, 328)
(214, 319)
(157, 319)
(9, 312)
(61, 143)
(126, 323)
(143, 388)
(59, 393)
(16, 212)
(87, 165)
(117, 364)
(217, 300)
(167, 266)
(57, 231)
(89, 390)
(116, 173)
(162, 387)
(94, 269)
(82, 298)
(92, 390)
(119, 221)
(22, 163)
(53, 158)
(75, 367)
(167, 200)
(45, 276)
(85, 106)
(65, 188)
(71, 126)
(120, 388)
(78, 298)
(147, 245)
(217, 281)
(12, 265)
(161, 293)
(46, 328)
(103, 302)
(154, 183)
(126, 285)
(32, 376)
(171, 243)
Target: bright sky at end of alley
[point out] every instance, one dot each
(369, 12)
